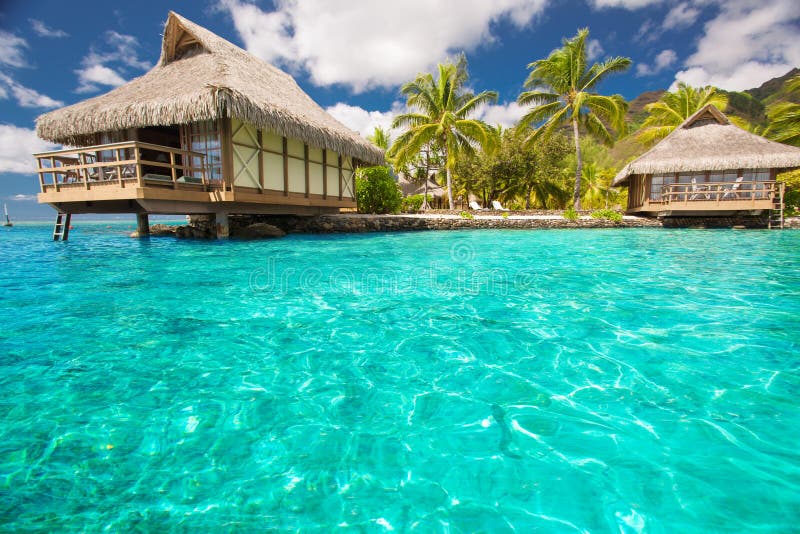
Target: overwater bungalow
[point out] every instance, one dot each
(211, 129)
(709, 167)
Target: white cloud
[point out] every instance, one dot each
(681, 16)
(664, 59)
(363, 121)
(22, 198)
(25, 96)
(593, 49)
(746, 44)
(107, 67)
(506, 115)
(16, 148)
(366, 44)
(42, 30)
(625, 4)
(12, 50)
(94, 75)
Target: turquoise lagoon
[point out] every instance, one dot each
(474, 381)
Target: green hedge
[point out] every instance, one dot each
(376, 191)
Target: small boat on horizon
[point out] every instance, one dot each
(8, 221)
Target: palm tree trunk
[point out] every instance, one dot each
(425, 206)
(576, 195)
(449, 180)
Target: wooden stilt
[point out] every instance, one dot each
(142, 224)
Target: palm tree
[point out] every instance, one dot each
(561, 90)
(380, 138)
(443, 108)
(784, 118)
(674, 108)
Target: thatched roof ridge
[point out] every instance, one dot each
(708, 141)
(201, 76)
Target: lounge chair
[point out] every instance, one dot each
(498, 207)
(698, 191)
(731, 192)
(475, 206)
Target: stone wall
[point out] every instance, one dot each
(731, 221)
(353, 223)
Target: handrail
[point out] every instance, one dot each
(716, 191)
(86, 166)
(113, 146)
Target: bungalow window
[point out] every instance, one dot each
(759, 176)
(204, 137)
(657, 185)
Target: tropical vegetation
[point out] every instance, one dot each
(377, 191)
(441, 118)
(569, 98)
(572, 139)
(674, 108)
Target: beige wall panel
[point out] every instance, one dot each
(295, 148)
(348, 190)
(333, 181)
(243, 134)
(245, 166)
(315, 179)
(297, 176)
(315, 154)
(273, 171)
(272, 141)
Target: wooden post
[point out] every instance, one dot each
(119, 167)
(285, 167)
(83, 169)
(173, 169)
(341, 177)
(137, 157)
(305, 162)
(142, 225)
(260, 156)
(221, 223)
(226, 152)
(324, 173)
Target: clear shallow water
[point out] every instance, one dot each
(620, 380)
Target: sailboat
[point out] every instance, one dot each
(8, 221)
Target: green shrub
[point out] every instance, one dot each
(376, 191)
(466, 215)
(413, 203)
(505, 215)
(611, 215)
(570, 214)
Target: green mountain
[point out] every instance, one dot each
(750, 104)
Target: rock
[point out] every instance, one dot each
(259, 231)
(158, 230)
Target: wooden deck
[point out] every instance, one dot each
(713, 198)
(136, 177)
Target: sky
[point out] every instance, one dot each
(352, 56)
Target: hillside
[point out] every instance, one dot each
(750, 105)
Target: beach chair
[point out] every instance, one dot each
(699, 192)
(475, 206)
(497, 206)
(732, 191)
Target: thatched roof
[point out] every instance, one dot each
(201, 76)
(708, 141)
(409, 187)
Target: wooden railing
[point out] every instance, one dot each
(129, 163)
(720, 192)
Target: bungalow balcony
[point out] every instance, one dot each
(140, 177)
(712, 197)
